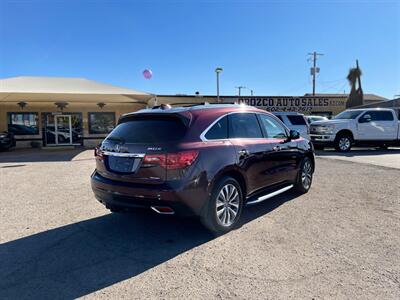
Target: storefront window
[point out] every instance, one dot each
(101, 122)
(25, 123)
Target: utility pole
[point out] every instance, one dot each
(251, 91)
(314, 69)
(240, 87)
(217, 71)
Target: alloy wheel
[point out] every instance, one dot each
(227, 205)
(344, 143)
(306, 175)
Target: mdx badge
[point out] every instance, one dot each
(154, 148)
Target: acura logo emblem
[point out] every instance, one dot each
(121, 148)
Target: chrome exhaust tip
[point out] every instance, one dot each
(163, 210)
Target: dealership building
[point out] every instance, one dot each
(53, 111)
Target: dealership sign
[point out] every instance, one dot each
(295, 104)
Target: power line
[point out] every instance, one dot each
(314, 70)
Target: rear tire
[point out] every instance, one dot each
(343, 142)
(115, 209)
(224, 207)
(305, 176)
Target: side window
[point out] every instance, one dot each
(297, 120)
(381, 115)
(244, 125)
(218, 131)
(273, 129)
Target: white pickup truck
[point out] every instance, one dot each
(361, 127)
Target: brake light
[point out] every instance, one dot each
(181, 159)
(155, 159)
(172, 161)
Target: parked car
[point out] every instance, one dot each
(361, 127)
(63, 135)
(295, 121)
(7, 140)
(205, 160)
(312, 118)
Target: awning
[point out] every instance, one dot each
(56, 89)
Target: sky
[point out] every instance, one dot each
(262, 45)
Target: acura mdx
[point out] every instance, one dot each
(206, 160)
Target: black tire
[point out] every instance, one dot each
(302, 186)
(61, 139)
(343, 142)
(383, 147)
(319, 147)
(6, 148)
(210, 219)
(114, 209)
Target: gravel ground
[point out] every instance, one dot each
(341, 240)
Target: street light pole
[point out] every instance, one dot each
(217, 71)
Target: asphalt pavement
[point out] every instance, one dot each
(341, 240)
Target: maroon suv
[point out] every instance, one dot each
(204, 160)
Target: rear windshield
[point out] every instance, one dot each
(152, 130)
(297, 120)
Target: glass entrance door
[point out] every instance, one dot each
(63, 130)
(59, 130)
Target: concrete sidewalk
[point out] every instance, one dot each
(389, 158)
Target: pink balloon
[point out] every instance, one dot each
(147, 74)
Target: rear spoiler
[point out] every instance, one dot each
(184, 117)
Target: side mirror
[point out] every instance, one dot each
(365, 119)
(294, 135)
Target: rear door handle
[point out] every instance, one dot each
(243, 152)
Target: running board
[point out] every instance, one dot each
(267, 196)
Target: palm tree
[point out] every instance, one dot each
(356, 94)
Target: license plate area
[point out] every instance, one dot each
(123, 164)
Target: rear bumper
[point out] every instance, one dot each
(126, 196)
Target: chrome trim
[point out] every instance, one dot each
(270, 195)
(162, 213)
(119, 154)
(203, 134)
(204, 139)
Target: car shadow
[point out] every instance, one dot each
(43, 155)
(80, 258)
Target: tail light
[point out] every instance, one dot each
(172, 161)
(155, 159)
(98, 154)
(181, 159)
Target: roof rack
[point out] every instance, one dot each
(204, 103)
(189, 105)
(162, 106)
